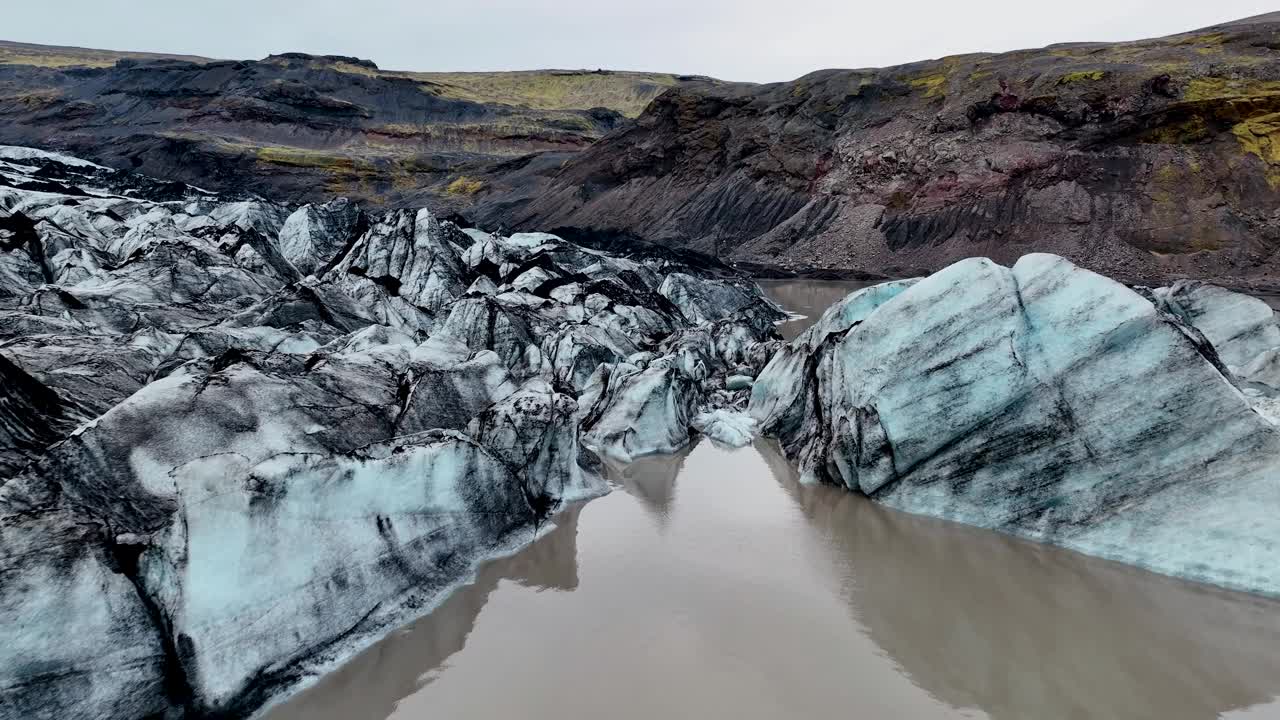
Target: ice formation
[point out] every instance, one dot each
(239, 441)
(1045, 401)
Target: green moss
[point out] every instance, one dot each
(464, 185)
(66, 57)
(353, 69)
(1207, 40)
(1215, 88)
(1260, 136)
(1082, 76)
(49, 60)
(626, 92)
(933, 84)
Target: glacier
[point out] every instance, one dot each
(240, 441)
(1047, 402)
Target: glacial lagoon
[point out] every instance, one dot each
(713, 584)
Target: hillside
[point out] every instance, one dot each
(1146, 160)
(298, 127)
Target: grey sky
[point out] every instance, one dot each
(759, 40)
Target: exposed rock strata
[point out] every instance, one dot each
(1146, 161)
(301, 128)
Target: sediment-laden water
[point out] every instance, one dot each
(713, 584)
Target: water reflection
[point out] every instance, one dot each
(1023, 630)
(371, 684)
(746, 594)
(808, 299)
(652, 481)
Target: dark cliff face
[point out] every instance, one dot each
(1148, 160)
(300, 128)
(1145, 160)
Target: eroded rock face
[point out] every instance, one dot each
(238, 443)
(1146, 161)
(1041, 400)
(301, 128)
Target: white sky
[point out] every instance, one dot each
(757, 40)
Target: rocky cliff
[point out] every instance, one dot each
(298, 128)
(1146, 160)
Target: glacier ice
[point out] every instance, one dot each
(728, 427)
(239, 441)
(639, 412)
(1041, 400)
(1240, 327)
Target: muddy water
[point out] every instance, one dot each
(807, 299)
(713, 585)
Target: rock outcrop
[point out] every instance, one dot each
(1144, 160)
(239, 441)
(1148, 161)
(302, 128)
(1045, 401)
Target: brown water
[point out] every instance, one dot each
(713, 585)
(807, 299)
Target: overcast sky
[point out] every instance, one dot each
(757, 40)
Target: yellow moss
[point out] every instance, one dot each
(1193, 129)
(65, 57)
(1260, 136)
(1206, 40)
(53, 61)
(33, 100)
(626, 92)
(298, 157)
(1167, 173)
(1206, 89)
(933, 84)
(406, 175)
(979, 75)
(1082, 76)
(1177, 227)
(1214, 88)
(464, 185)
(506, 136)
(353, 69)
(546, 90)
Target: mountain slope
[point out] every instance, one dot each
(1144, 160)
(298, 127)
(59, 56)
